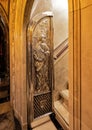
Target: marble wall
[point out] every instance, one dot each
(86, 65)
(60, 21)
(61, 68)
(80, 70)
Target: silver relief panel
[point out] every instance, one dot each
(40, 67)
(41, 56)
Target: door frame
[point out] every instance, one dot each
(30, 29)
(75, 64)
(74, 57)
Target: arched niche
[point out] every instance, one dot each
(17, 33)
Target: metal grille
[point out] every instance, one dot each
(42, 104)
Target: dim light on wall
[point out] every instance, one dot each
(58, 4)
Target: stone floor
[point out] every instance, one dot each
(46, 126)
(55, 122)
(49, 126)
(8, 122)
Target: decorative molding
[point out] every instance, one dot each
(60, 49)
(5, 5)
(4, 15)
(27, 13)
(12, 49)
(75, 64)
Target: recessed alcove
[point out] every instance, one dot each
(4, 64)
(60, 42)
(42, 20)
(18, 62)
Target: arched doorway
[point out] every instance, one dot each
(40, 98)
(75, 107)
(36, 105)
(4, 61)
(19, 42)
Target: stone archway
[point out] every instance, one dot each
(6, 118)
(18, 57)
(19, 18)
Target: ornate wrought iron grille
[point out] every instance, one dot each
(42, 104)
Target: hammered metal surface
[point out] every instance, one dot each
(41, 56)
(40, 67)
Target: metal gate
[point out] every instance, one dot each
(40, 65)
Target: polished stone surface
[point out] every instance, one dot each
(46, 126)
(62, 111)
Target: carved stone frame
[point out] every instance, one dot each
(74, 58)
(75, 64)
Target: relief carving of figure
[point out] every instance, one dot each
(41, 58)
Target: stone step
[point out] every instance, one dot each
(46, 126)
(65, 98)
(62, 111)
(40, 121)
(65, 94)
